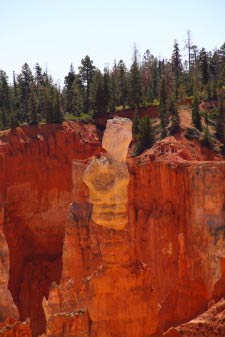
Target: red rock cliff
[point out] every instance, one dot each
(142, 248)
(172, 245)
(177, 220)
(105, 289)
(36, 189)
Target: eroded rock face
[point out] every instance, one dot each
(177, 213)
(143, 245)
(7, 305)
(210, 324)
(115, 288)
(172, 244)
(12, 328)
(35, 192)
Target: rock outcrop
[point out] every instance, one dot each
(112, 291)
(13, 328)
(210, 324)
(107, 178)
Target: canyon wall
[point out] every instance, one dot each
(35, 193)
(141, 248)
(178, 214)
(142, 258)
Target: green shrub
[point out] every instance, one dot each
(192, 133)
(84, 118)
(206, 139)
(145, 137)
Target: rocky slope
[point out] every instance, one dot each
(210, 324)
(143, 245)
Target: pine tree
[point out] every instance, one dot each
(13, 120)
(4, 99)
(25, 80)
(38, 77)
(135, 123)
(33, 108)
(50, 104)
(196, 117)
(69, 81)
(112, 106)
(98, 95)
(163, 106)
(176, 67)
(220, 120)
(15, 103)
(77, 103)
(44, 96)
(175, 125)
(87, 71)
(189, 46)
(59, 117)
(154, 81)
(195, 70)
(107, 90)
(145, 138)
(204, 67)
(136, 94)
(122, 83)
(221, 65)
(206, 139)
(115, 88)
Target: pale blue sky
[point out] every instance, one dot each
(56, 33)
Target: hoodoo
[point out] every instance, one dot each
(107, 178)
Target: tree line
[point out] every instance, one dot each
(33, 97)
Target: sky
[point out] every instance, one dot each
(56, 33)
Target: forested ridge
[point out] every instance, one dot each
(34, 98)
